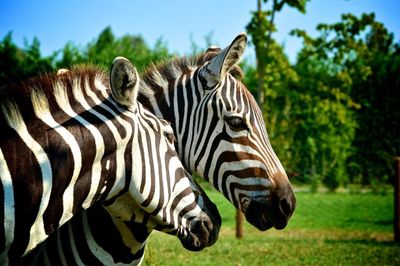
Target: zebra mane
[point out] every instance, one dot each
(43, 88)
(158, 75)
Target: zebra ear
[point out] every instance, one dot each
(124, 80)
(219, 65)
(62, 71)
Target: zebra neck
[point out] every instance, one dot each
(124, 242)
(67, 160)
(176, 101)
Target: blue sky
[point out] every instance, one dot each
(177, 21)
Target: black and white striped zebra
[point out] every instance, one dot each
(69, 143)
(221, 134)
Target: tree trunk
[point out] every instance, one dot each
(260, 63)
(239, 224)
(397, 201)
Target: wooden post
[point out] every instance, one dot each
(397, 200)
(239, 224)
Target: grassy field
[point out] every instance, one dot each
(326, 229)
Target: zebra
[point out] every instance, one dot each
(220, 131)
(69, 143)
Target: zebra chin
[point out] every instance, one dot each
(203, 233)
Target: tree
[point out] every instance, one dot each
(17, 64)
(354, 65)
(260, 29)
(70, 55)
(106, 47)
(103, 49)
(270, 61)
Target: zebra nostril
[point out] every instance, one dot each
(200, 235)
(201, 228)
(285, 207)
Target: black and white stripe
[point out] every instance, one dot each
(68, 144)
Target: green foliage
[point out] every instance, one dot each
(260, 29)
(333, 115)
(71, 55)
(357, 60)
(323, 124)
(107, 46)
(17, 64)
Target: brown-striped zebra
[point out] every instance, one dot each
(70, 143)
(221, 134)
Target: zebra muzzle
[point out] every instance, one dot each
(201, 234)
(272, 212)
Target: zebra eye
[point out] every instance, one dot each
(170, 136)
(168, 131)
(236, 123)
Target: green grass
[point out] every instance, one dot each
(326, 229)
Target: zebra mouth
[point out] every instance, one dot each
(260, 221)
(263, 216)
(256, 216)
(202, 234)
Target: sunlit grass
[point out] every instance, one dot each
(327, 229)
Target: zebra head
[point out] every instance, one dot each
(168, 196)
(220, 131)
(243, 165)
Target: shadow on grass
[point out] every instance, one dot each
(366, 242)
(376, 222)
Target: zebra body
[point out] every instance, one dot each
(94, 237)
(69, 143)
